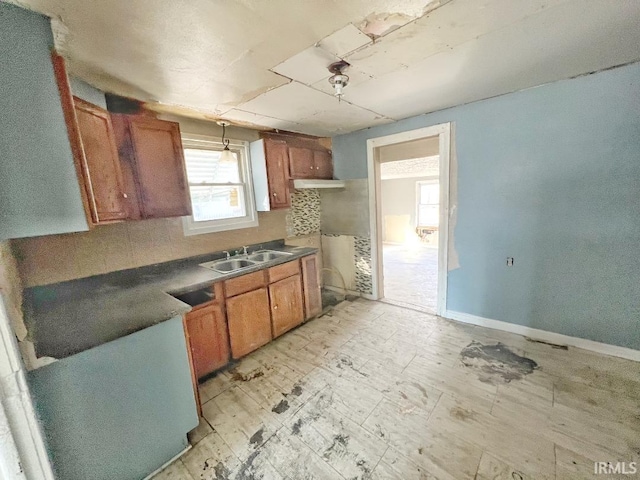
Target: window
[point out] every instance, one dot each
(428, 204)
(221, 192)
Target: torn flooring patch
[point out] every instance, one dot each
(496, 362)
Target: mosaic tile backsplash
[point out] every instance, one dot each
(362, 247)
(304, 215)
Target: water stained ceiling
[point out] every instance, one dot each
(264, 63)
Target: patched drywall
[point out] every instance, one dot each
(338, 254)
(345, 211)
(549, 176)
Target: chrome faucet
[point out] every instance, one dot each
(227, 254)
(244, 250)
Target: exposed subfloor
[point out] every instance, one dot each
(411, 274)
(378, 391)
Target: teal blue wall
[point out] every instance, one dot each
(39, 191)
(120, 410)
(551, 177)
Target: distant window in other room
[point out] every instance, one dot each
(428, 204)
(221, 192)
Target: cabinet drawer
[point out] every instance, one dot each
(244, 283)
(283, 271)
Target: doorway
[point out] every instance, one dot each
(409, 205)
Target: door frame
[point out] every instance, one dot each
(443, 131)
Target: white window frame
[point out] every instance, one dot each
(419, 183)
(241, 149)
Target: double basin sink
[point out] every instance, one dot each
(243, 261)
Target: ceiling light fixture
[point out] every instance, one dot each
(339, 80)
(227, 156)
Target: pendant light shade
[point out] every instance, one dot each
(227, 156)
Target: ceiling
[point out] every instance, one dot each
(264, 63)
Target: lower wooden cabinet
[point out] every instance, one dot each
(286, 304)
(208, 338)
(259, 306)
(312, 286)
(249, 319)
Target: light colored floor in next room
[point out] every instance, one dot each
(411, 274)
(382, 392)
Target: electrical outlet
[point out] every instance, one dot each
(509, 261)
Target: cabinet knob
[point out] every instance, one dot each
(317, 168)
(124, 195)
(311, 167)
(275, 307)
(275, 194)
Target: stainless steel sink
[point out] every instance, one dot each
(226, 266)
(267, 255)
(235, 263)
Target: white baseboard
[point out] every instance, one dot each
(342, 290)
(545, 336)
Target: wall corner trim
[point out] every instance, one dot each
(552, 337)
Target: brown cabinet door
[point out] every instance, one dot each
(120, 124)
(159, 167)
(323, 164)
(277, 159)
(301, 162)
(208, 338)
(249, 322)
(100, 163)
(311, 283)
(286, 304)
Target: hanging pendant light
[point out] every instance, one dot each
(227, 156)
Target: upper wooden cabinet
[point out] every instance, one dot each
(153, 164)
(277, 160)
(312, 163)
(301, 164)
(286, 158)
(100, 164)
(323, 163)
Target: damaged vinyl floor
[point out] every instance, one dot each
(376, 391)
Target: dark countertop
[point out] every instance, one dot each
(69, 317)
